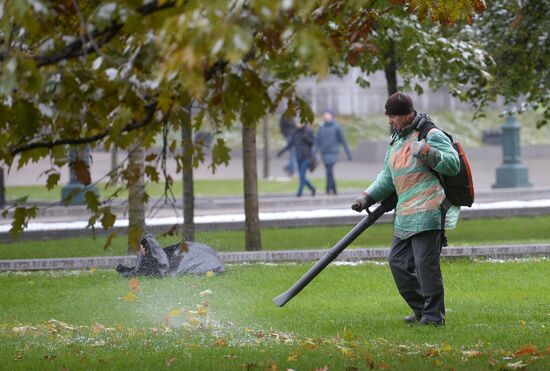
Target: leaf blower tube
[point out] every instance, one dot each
(387, 205)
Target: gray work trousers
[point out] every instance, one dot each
(414, 263)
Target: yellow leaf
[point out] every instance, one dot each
(194, 322)
(175, 313)
(210, 274)
(522, 323)
(93, 270)
(347, 352)
(130, 297)
(202, 309)
(446, 348)
(293, 357)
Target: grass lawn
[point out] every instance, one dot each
(221, 187)
(348, 318)
(469, 232)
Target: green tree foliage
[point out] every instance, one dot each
(516, 34)
(115, 73)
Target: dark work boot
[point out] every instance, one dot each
(413, 318)
(426, 322)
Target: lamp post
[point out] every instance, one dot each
(512, 173)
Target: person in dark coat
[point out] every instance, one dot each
(329, 139)
(302, 140)
(287, 129)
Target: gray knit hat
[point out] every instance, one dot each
(399, 104)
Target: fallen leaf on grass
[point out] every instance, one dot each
(194, 322)
(129, 297)
(210, 274)
(205, 292)
(18, 356)
(174, 313)
(522, 323)
(93, 270)
(383, 366)
(446, 348)
(527, 350)
(348, 353)
(55, 325)
(516, 365)
(22, 329)
(431, 352)
(309, 345)
(97, 328)
(293, 357)
(221, 343)
(170, 361)
(50, 357)
(133, 284)
(99, 343)
(471, 354)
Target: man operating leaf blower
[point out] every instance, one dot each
(411, 169)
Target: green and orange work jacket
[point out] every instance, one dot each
(419, 191)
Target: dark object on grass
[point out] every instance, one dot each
(387, 205)
(174, 260)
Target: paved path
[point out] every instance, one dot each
(483, 166)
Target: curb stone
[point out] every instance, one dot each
(497, 251)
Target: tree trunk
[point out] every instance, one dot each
(265, 132)
(2, 189)
(187, 173)
(390, 69)
(114, 158)
(253, 240)
(136, 193)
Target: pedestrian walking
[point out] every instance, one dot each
(410, 170)
(329, 139)
(287, 128)
(301, 140)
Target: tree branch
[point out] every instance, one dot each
(218, 66)
(80, 46)
(147, 120)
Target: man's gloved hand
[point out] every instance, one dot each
(423, 151)
(362, 203)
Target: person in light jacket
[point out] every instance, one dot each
(329, 139)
